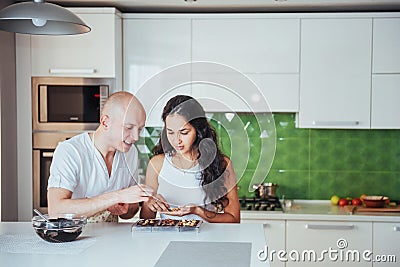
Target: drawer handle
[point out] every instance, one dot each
(72, 71)
(329, 227)
(336, 123)
(396, 228)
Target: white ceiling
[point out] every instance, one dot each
(237, 5)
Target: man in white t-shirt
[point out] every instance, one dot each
(95, 174)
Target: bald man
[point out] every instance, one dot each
(95, 174)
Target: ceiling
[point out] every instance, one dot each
(236, 5)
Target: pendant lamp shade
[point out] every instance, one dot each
(41, 18)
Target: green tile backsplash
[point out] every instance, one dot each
(308, 163)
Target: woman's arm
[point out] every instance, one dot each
(148, 210)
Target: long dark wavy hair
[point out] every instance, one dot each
(211, 171)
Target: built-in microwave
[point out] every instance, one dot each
(68, 104)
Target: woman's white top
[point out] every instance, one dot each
(180, 187)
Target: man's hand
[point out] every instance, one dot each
(135, 194)
(119, 209)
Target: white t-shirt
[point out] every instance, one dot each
(79, 167)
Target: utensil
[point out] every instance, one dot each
(41, 215)
(265, 190)
(49, 224)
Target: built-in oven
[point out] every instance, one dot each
(61, 108)
(65, 103)
(44, 144)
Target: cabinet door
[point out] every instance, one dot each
(274, 236)
(249, 45)
(150, 46)
(312, 243)
(266, 50)
(91, 54)
(386, 52)
(385, 101)
(386, 240)
(249, 93)
(335, 73)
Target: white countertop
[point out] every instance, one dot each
(319, 210)
(115, 244)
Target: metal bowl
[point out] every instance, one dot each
(64, 228)
(265, 190)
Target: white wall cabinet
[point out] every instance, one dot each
(316, 236)
(94, 54)
(275, 237)
(250, 45)
(150, 46)
(386, 74)
(265, 50)
(335, 75)
(386, 240)
(385, 101)
(386, 43)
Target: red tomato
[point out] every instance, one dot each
(343, 202)
(356, 202)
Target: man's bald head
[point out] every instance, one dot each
(118, 103)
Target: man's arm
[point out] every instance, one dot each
(59, 200)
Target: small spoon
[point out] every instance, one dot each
(41, 215)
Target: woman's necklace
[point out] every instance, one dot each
(185, 169)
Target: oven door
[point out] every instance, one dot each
(41, 170)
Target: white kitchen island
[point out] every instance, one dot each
(113, 244)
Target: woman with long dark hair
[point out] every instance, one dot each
(190, 175)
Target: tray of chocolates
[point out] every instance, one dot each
(144, 225)
(189, 225)
(157, 225)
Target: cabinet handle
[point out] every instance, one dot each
(329, 227)
(335, 123)
(47, 154)
(72, 71)
(396, 229)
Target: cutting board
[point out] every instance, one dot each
(351, 208)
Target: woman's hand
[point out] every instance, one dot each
(181, 211)
(157, 203)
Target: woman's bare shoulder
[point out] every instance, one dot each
(157, 161)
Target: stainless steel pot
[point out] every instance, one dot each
(265, 190)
